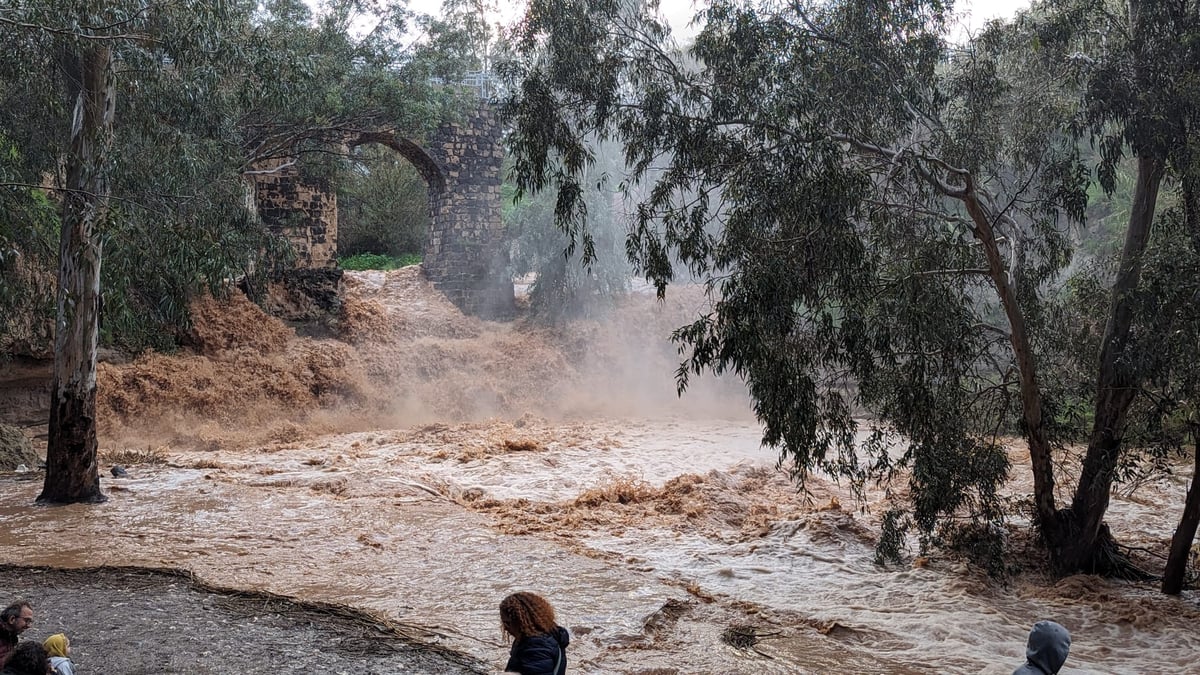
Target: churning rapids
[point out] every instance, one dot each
(424, 464)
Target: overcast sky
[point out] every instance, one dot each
(679, 12)
(973, 13)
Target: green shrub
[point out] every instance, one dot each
(383, 204)
(378, 261)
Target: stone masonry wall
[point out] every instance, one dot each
(465, 255)
(304, 210)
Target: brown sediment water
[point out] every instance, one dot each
(426, 464)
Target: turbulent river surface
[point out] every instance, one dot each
(423, 465)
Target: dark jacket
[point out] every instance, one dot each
(1049, 644)
(540, 654)
(8, 642)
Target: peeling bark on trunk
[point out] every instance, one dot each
(71, 471)
(1185, 533)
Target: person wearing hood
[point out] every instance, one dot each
(59, 649)
(539, 643)
(1046, 652)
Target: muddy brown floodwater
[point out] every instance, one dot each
(424, 464)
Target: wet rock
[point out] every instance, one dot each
(113, 356)
(119, 471)
(15, 449)
(306, 296)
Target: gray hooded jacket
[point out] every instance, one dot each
(1047, 651)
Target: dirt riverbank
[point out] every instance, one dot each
(134, 622)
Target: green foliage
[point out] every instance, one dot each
(206, 92)
(1069, 341)
(892, 537)
(383, 204)
(983, 544)
(1166, 414)
(28, 234)
(565, 284)
(376, 261)
(1108, 214)
(28, 217)
(153, 273)
(309, 85)
(887, 224)
(460, 40)
(797, 162)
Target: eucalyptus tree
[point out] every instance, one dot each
(1165, 334)
(892, 214)
(1139, 68)
(459, 40)
(311, 81)
(143, 120)
(562, 287)
(85, 41)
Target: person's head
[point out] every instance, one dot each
(57, 645)
(29, 658)
(17, 617)
(1048, 646)
(525, 614)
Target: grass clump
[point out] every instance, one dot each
(378, 261)
(128, 456)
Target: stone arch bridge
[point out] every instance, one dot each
(465, 256)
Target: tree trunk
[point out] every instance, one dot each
(1079, 545)
(1185, 533)
(71, 472)
(1031, 394)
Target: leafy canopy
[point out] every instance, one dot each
(207, 94)
(869, 208)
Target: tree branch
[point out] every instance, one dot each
(80, 192)
(897, 155)
(142, 37)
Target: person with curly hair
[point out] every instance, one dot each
(539, 643)
(29, 658)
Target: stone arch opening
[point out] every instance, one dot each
(464, 255)
(405, 184)
(425, 165)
